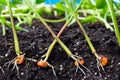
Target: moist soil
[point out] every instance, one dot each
(35, 43)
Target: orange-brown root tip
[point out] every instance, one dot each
(81, 61)
(20, 59)
(42, 63)
(104, 60)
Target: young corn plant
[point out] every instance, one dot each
(101, 60)
(44, 63)
(20, 56)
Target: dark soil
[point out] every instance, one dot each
(36, 42)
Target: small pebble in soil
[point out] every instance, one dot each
(108, 76)
(105, 78)
(112, 61)
(76, 53)
(111, 66)
(119, 64)
(95, 73)
(77, 44)
(75, 49)
(33, 27)
(60, 48)
(61, 67)
(22, 73)
(7, 53)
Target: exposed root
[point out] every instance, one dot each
(42, 63)
(31, 59)
(79, 61)
(15, 62)
(99, 65)
(2, 70)
(52, 69)
(78, 67)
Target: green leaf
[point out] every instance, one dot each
(17, 27)
(87, 4)
(61, 7)
(3, 2)
(13, 4)
(10, 25)
(89, 19)
(39, 1)
(100, 4)
(73, 4)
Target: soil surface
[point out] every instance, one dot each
(36, 42)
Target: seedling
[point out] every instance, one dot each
(69, 53)
(20, 57)
(98, 57)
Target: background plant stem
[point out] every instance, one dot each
(112, 12)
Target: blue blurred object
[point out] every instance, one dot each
(116, 1)
(51, 1)
(56, 1)
(11, 0)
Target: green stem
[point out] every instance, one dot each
(3, 29)
(47, 20)
(54, 21)
(16, 42)
(60, 32)
(69, 53)
(112, 12)
(87, 38)
(54, 42)
(84, 32)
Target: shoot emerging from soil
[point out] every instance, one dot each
(20, 57)
(99, 58)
